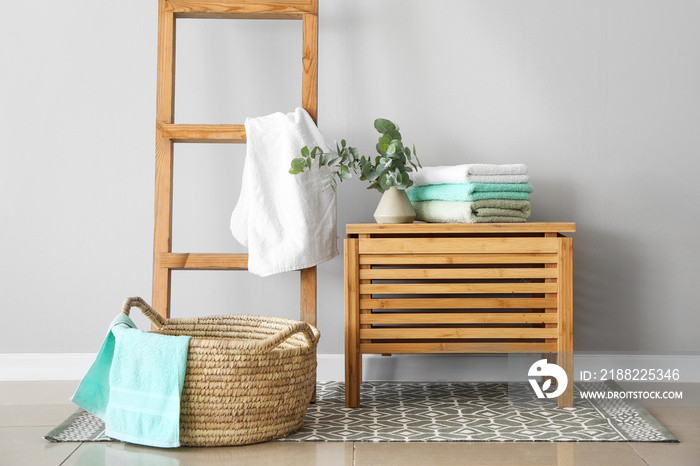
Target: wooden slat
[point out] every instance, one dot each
(309, 76)
(455, 347)
(165, 107)
(200, 261)
(458, 318)
(457, 259)
(451, 332)
(202, 133)
(243, 9)
(457, 245)
(309, 279)
(458, 303)
(309, 101)
(165, 92)
(455, 274)
(458, 288)
(459, 228)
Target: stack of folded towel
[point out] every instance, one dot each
(472, 193)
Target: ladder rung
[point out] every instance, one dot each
(250, 9)
(202, 133)
(202, 261)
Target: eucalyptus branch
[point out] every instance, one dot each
(390, 168)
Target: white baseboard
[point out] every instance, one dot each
(73, 366)
(403, 367)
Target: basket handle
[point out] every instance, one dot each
(275, 340)
(268, 344)
(146, 310)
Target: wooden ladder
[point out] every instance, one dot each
(168, 133)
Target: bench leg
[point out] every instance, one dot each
(565, 341)
(353, 357)
(565, 360)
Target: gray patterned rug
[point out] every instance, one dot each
(446, 412)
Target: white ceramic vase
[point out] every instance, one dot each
(394, 207)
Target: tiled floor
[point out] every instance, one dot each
(30, 409)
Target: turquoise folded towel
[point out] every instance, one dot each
(470, 192)
(135, 384)
(483, 211)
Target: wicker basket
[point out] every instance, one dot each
(249, 378)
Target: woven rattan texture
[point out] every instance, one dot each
(249, 379)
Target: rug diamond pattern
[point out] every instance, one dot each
(412, 412)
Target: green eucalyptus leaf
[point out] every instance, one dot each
(305, 151)
(344, 173)
(299, 164)
(383, 125)
(416, 156)
(391, 149)
(394, 134)
(385, 182)
(376, 186)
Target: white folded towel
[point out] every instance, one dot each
(288, 222)
(472, 172)
(499, 178)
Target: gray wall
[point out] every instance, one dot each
(600, 99)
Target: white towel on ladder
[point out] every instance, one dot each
(288, 222)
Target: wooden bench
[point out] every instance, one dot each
(457, 288)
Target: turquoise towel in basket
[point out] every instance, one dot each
(135, 383)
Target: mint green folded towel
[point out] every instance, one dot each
(135, 384)
(482, 211)
(470, 192)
